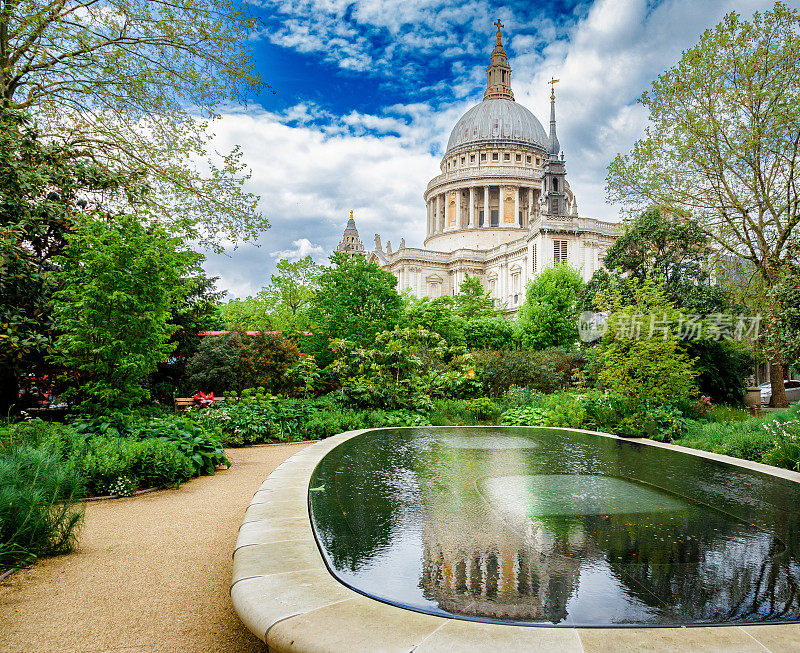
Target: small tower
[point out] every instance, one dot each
(351, 244)
(498, 74)
(554, 171)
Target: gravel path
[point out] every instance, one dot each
(150, 574)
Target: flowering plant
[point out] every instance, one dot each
(704, 405)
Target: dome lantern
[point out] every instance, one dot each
(498, 74)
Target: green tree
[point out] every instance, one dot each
(783, 322)
(488, 333)
(471, 301)
(437, 315)
(638, 363)
(43, 190)
(117, 284)
(355, 300)
(451, 316)
(194, 312)
(723, 145)
(548, 318)
(290, 293)
(132, 84)
(248, 314)
(673, 250)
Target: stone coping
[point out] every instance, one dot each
(284, 593)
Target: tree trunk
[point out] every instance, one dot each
(778, 399)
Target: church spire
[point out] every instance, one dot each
(554, 146)
(351, 244)
(498, 74)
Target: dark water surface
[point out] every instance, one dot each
(537, 526)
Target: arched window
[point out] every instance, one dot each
(555, 184)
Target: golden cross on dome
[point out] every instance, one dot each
(499, 33)
(553, 81)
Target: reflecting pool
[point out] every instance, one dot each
(554, 527)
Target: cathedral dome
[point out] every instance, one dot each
(497, 120)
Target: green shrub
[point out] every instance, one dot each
(518, 397)
(120, 466)
(488, 333)
(784, 436)
(638, 361)
(38, 516)
(547, 371)
(748, 439)
(118, 454)
(235, 361)
(562, 410)
(405, 369)
(722, 366)
(483, 409)
(202, 447)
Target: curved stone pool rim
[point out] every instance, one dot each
(284, 593)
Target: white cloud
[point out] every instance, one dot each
(310, 177)
(300, 249)
(376, 35)
(604, 63)
(311, 168)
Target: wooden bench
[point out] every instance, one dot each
(183, 404)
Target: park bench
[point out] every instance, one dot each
(183, 404)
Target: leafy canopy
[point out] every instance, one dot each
(290, 292)
(672, 250)
(632, 362)
(723, 143)
(132, 84)
(548, 318)
(356, 300)
(117, 284)
(467, 318)
(44, 189)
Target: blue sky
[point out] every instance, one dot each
(367, 91)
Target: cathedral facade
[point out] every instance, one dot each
(502, 209)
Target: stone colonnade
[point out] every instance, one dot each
(446, 211)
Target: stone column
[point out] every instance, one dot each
(430, 217)
(529, 212)
(487, 220)
(516, 205)
(439, 219)
(458, 209)
(472, 207)
(428, 214)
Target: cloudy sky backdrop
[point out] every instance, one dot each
(367, 91)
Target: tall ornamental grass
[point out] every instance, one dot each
(38, 511)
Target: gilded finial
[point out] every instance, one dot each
(499, 33)
(351, 214)
(553, 81)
